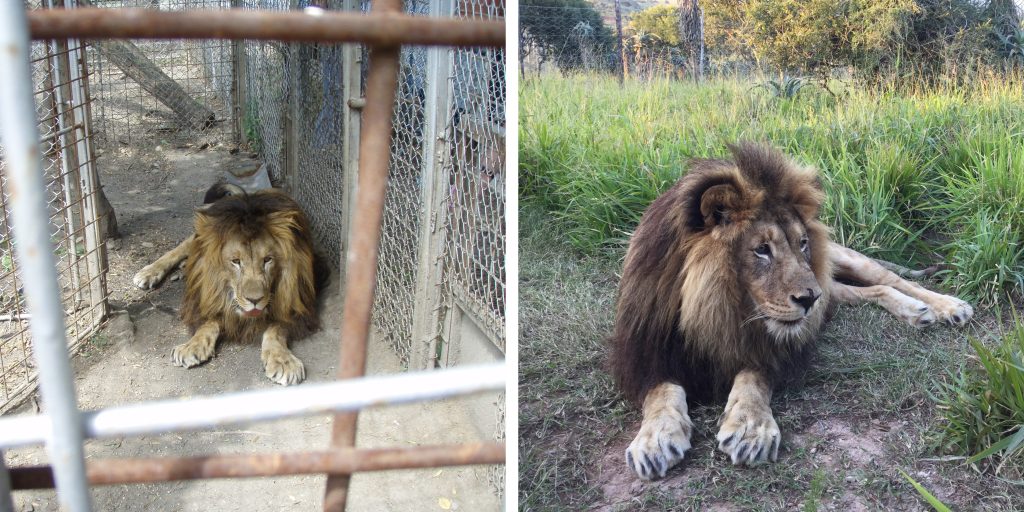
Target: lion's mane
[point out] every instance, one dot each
(248, 217)
(683, 315)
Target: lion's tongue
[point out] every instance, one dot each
(252, 313)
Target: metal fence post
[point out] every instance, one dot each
(20, 137)
(352, 92)
(430, 260)
(239, 81)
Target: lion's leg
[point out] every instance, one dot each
(199, 349)
(664, 433)
(748, 432)
(152, 274)
(909, 309)
(853, 265)
(280, 365)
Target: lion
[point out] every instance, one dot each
(726, 283)
(250, 273)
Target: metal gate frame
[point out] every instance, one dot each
(63, 427)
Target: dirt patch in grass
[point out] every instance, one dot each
(861, 414)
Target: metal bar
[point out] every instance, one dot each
(364, 238)
(342, 461)
(35, 255)
(269, 404)
(377, 28)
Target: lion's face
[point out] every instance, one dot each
(251, 270)
(775, 261)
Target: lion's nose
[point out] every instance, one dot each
(807, 300)
(256, 300)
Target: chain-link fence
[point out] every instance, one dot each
(634, 39)
(150, 91)
(63, 109)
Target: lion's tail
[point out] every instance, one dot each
(221, 190)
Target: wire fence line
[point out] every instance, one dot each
(63, 106)
(593, 37)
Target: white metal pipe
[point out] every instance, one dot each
(20, 137)
(270, 404)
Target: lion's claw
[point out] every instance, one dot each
(192, 354)
(660, 444)
(749, 436)
(283, 368)
(148, 278)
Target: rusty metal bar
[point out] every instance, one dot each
(378, 28)
(341, 461)
(364, 239)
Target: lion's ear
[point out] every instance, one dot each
(718, 203)
(202, 220)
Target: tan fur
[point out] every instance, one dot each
(725, 286)
(249, 276)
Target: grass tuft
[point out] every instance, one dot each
(983, 405)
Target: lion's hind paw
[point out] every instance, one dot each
(661, 444)
(283, 367)
(749, 437)
(953, 310)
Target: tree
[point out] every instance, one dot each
(570, 32)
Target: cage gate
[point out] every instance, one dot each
(385, 34)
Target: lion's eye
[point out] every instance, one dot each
(236, 262)
(803, 245)
(763, 251)
(268, 259)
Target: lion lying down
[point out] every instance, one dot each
(251, 273)
(726, 284)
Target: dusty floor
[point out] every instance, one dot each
(129, 362)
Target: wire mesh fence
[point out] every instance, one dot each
(60, 80)
(161, 90)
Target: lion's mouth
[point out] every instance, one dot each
(252, 313)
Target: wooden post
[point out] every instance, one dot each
(430, 258)
(290, 137)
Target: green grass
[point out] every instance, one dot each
(912, 177)
(983, 404)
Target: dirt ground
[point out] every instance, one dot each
(154, 192)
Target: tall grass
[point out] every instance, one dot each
(912, 176)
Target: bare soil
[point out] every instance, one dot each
(154, 191)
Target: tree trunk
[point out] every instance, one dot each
(133, 62)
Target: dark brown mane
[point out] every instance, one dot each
(675, 266)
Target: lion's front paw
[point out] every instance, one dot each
(283, 367)
(148, 277)
(661, 444)
(952, 310)
(749, 435)
(193, 353)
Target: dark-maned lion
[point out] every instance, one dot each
(725, 286)
(251, 273)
